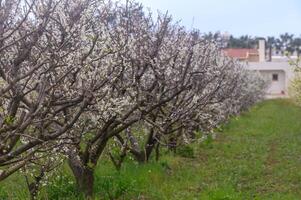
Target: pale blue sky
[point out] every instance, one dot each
(238, 17)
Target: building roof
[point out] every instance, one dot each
(239, 53)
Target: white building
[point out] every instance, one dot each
(277, 72)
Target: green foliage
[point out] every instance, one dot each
(9, 120)
(114, 186)
(132, 181)
(62, 187)
(226, 193)
(208, 142)
(3, 193)
(295, 89)
(295, 86)
(186, 151)
(244, 41)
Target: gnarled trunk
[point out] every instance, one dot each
(83, 166)
(144, 155)
(84, 176)
(150, 145)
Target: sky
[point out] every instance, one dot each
(238, 17)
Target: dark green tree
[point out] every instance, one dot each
(270, 45)
(286, 40)
(296, 45)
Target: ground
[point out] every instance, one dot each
(254, 156)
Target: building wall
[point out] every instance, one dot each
(285, 71)
(253, 58)
(276, 81)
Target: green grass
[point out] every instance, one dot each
(256, 156)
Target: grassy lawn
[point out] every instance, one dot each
(256, 156)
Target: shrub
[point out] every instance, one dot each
(113, 186)
(62, 187)
(186, 151)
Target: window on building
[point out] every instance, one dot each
(275, 77)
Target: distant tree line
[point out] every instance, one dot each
(284, 43)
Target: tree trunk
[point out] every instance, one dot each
(157, 152)
(35, 185)
(83, 165)
(33, 189)
(270, 54)
(84, 176)
(172, 144)
(140, 158)
(143, 156)
(150, 145)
